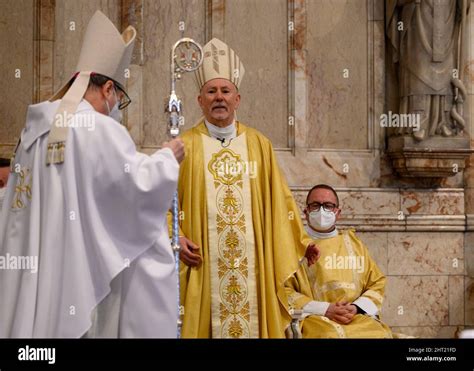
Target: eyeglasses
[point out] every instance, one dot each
(125, 100)
(327, 206)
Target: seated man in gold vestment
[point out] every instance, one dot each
(341, 295)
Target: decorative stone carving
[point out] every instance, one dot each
(426, 38)
(429, 158)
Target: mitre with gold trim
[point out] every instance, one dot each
(219, 61)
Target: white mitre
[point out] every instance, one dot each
(220, 62)
(104, 51)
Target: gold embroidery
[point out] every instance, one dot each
(293, 298)
(225, 166)
(375, 295)
(350, 251)
(22, 189)
(340, 331)
(234, 248)
(235, 329)
(230, 221)
(334, 285)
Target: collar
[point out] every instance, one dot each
(320, 235)
(227, 133)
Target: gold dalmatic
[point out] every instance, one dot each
(234, 303)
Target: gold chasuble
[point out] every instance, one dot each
(344, 272)
(236, 206)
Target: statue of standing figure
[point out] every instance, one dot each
(426, 38)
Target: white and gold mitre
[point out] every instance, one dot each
(220, 62)
(104, 51)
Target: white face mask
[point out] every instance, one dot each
(115, 113)
(322, 220)
(3, 191)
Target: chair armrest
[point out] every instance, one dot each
(293, 331)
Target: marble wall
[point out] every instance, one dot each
(315, 84)
(17, 71)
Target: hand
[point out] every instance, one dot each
(312, 254)
(352, 309)
(177, 146)
(188, 253)
(341, 312)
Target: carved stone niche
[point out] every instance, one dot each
(434, 157)
(425, 45)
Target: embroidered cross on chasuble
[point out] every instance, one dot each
(234, 305)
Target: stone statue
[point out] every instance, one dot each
(426, 41)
